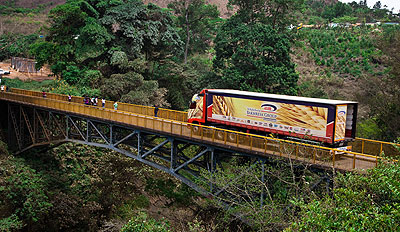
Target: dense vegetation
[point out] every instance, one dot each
(77, 188)
(321, 12)
(369, 202)
(346, 52)
(137, 53)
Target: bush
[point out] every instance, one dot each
(142, 223)
(369, 202)
(339, 48)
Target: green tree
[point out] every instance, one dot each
(119, 39)
(360, 202)
(277, 13)
(131, 87)
(345, 19)
(142, 29)
(378, 5)
(336, 11)
(16, 45)
(142, 223)
(254, 57)
(382, 93)
(182, 82)
(197, 21)
(22, 194)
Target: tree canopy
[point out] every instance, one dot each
(197, 21)
(276, 13)
(110, 37)
(254, 57)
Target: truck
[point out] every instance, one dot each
(328, 122)
(3, 72)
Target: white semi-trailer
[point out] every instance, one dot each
(332, 122)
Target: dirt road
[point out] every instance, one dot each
(42, 75)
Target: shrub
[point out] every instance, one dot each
(142, 223)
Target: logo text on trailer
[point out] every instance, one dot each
(268, 107)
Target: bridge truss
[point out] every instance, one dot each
(30, 127)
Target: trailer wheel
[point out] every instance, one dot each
(232, 137)
(195, 129)
(220, 135)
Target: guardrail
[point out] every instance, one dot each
(376, 147)
(360, 145)
(261, 145)
(139, 109)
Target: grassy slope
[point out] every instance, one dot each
(334, 63)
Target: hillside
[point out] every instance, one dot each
(43, 4)
(48, 4)
(126, 52)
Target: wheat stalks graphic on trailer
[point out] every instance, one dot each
(223, 106)
(309, 117)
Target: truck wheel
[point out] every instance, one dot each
(220, 135)
(232, 137)
(195, 129)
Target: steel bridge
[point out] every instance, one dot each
(161, 142)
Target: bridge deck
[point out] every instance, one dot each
(174, 124)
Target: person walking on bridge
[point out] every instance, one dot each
(103, 102)
(155, 110)
(115, 106)
(44, 94)
(69, 97)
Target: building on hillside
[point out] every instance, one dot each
(24, 65)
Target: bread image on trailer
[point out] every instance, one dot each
(332, 122)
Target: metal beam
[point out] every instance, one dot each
(28, 124)
(98, 132)
(125, 138)
(262, 181)
(43, 126)
(173, 154)
(58, 125)
(76, 127)
(191, 160)
(16, 130)
(155, 148)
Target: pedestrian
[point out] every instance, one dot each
(155, 110)
(115, 106)
(86, 100)
(92, 101)
(96, 100)
(2, 88)
(69, 97)
(44, 94)
(103, 102)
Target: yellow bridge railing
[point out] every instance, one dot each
(376, 147)
(359, 145)
(138, 109)
(139, 116)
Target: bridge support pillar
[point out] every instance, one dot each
(212, 167)
(111, 135)
(173, 154)
(88, 131)
(139, 144)
(262, 182)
